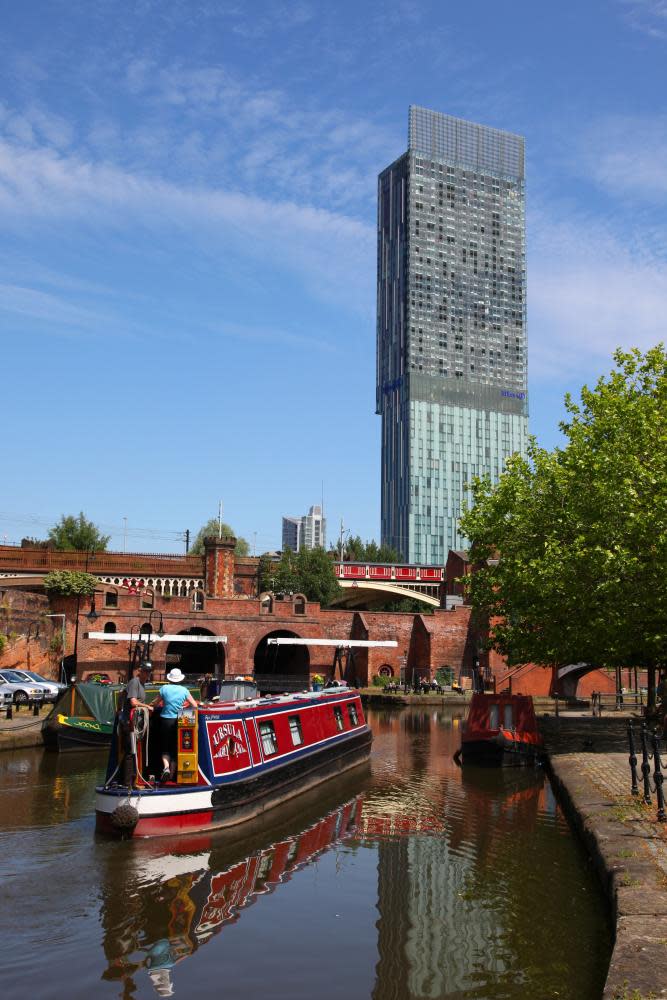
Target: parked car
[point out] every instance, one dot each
(22, 690)
(98, 678)
(6, 696)
(52, 689)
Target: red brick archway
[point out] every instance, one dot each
(281, 668)
(196, 659)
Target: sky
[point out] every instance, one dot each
(187, 264)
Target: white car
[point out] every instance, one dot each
(6, 696)
(52, 689)
(22, 690)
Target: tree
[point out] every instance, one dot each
(212, 529)
(570, 547)
(64, 583)
(77, 534)
(369, 552)
(309, 572)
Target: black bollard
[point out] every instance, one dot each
(646, 767)
(633, 760)
(658, 779)
(18, 707)
(9, 710)
(35, 707)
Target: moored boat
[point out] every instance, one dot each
(500, 730)
(83, 717)
(235, 760)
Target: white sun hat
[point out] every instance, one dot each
(175, 676)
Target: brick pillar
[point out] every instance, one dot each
(219, 566)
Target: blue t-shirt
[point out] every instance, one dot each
(173, 696)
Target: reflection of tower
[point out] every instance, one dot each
(430, 936)
(394, 924)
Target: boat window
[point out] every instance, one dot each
(338, 716)
(508, 717)
(494, 716)
(268, 734)
(295, 730)
(352, 712)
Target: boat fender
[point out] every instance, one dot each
(124, 817)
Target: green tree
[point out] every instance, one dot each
(309, 572)
(570, 546)
(77, 534)
(65, 583)
(358, 551)
(212, 529)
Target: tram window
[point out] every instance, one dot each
(352, 712)
(295, 730)
(508, 717)
(338, 716)
(494, 716)
(268, 734)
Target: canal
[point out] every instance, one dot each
(409, 879)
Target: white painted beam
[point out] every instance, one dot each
(154, 637)
(340, 643)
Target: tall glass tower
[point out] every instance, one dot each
(451, 325)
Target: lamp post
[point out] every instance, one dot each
(63, 676)
(27, 640)
(75, 655)
(149, 632)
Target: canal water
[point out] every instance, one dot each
(409, 879)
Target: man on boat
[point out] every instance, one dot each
(172, 697)
(135, 697)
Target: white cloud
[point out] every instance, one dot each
(589, 293)
(647, 16)
(627, 156)
(328, 250)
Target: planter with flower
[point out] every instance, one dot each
(317, 682)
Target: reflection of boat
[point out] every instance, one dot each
(186, 899)
(235, 760)
(500, 729)
(83, 717)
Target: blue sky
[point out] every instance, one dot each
(187, 199)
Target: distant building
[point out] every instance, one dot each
(451, 327)
(307, 532)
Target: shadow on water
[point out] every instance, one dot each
(410, 878)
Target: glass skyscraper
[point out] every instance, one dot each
(451, 325)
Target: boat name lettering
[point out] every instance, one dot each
(227, 739)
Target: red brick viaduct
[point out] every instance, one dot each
(228, 605)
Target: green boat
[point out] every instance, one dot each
(83, 718)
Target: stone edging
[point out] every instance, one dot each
(630, 877)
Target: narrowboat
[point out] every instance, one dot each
(83, 717)
(500, 730)
(235, 760)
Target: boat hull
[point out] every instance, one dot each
(65, 736)
(496, 752)
(168, 811)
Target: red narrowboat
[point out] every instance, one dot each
(235, 760)
(500, 730)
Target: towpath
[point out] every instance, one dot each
(589, 761)
(23, 730)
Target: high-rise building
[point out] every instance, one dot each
(451, 325)
(307, 532)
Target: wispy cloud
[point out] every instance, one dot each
(627, 156)
(329, 250)
(647, 16)
(589, 293)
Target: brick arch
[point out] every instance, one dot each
(281, 668)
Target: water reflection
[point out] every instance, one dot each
(411, 879)
(177, 902)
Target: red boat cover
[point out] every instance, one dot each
(510, 714)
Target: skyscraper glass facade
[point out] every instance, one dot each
(451, 325)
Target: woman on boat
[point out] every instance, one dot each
(171, 699)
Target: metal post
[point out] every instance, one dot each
(658, 779)
(9, 711)
(646, 767)
(35, 707)
(633, 760)
(556, 704)
(619, 696)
